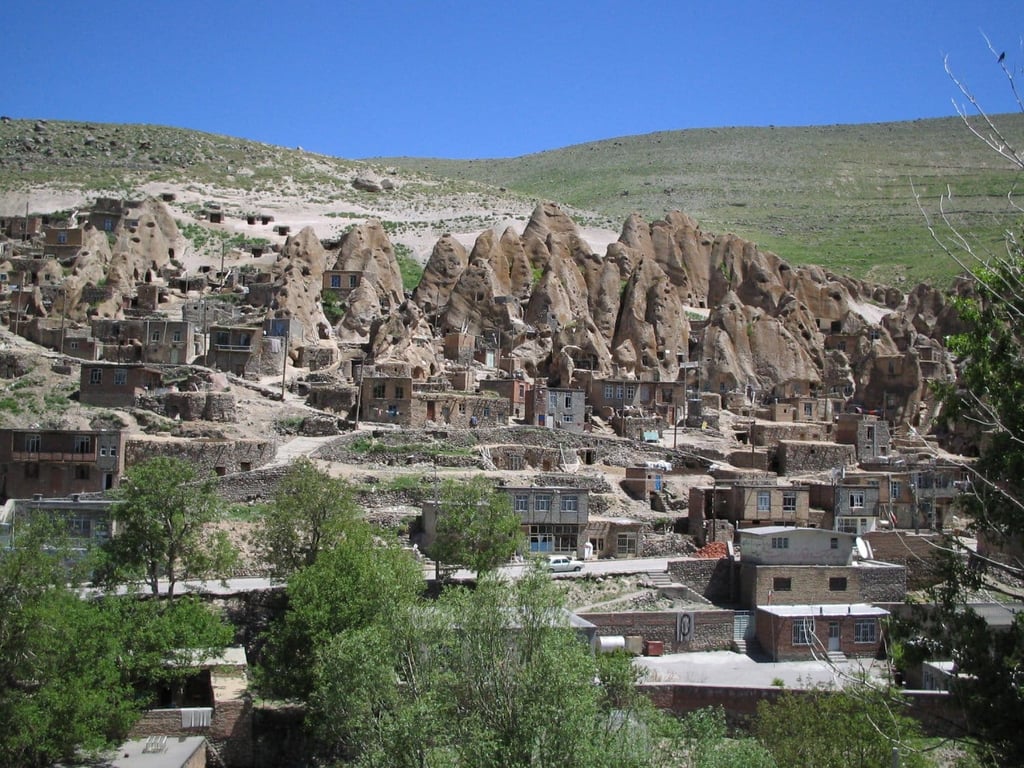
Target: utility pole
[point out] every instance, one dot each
(63, 314)
(284, 364)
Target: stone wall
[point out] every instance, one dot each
(207, 455)
(192, 406)
(797, 457)
(712, 578)
(916, 552)
(711, 629)
(230, 730)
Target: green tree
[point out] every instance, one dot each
(360, 582)
(164, 513)
(856, 727)
(489, 677)
(476, 526)
(311, 511)
(986, 406)
(74, 671)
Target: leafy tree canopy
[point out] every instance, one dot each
(164, 511)
(311, 512)
(476, 525)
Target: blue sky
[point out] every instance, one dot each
(486, 79)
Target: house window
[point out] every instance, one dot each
(81, 471)
(764, 501)
(399, 393)
(462, 407)
(103, 450)
(83, 444)
(31, 471)
(154, 336)
(625, 544)
(833, 543)
(108, 224)
(618, 392)
(353, 281)
(597, 545)
(72, 345)
(515, 463)
(95, 375)
(335, 281)
(568, 399)
(808, 410)
(630, 391)
(847, 525)
(487, 411)
(865, 631)
(542, 503)
(32, 443)
(522, 502)
(837, 584)
(857, 500)
(567, 418)
(176, 336)
(609, 391)
(393, 411)
(895, 489)
(803, 631)
(552, 401)
(780, 542)
(120, 376)
(782, 584)
(789, 501)
(62, 238)
(522, 391)
(80, 527)
(113, 450)
(379, 391)
(570, 503)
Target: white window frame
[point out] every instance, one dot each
(789, 501)
(764, 501)
(521, 502)
(570, 503)
(542, 502)
(856, 499)
(780, 542)
(803, 631)
(865, 631)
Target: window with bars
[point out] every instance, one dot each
(803, 631)
(865, 631)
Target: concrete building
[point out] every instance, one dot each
(557, 408)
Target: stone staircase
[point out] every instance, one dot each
(659, 578)
(836, 657)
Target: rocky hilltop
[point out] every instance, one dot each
(665, 302)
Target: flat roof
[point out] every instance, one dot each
(824, 609)
(177, 751)
(774, 530)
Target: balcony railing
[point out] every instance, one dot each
(66, 456)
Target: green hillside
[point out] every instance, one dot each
(840, 196)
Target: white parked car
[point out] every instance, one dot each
(564, 564)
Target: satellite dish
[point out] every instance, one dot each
(862, 549)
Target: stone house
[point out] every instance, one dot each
(459, 347)
(800, 456)
(88, 519)
(557, 408)
(860, 502)
(780, 565)
(107, 213)
(809, 631)
(867, 432)
(385, 397)
(117, 385)
(515, 390)
(147, 340)
(614, 537)
(642, 481)
(747, 503)
(554, 519)
(62, 243)
(59, 462)
(800, 409)
(245, 351)
(666, 399)
(458, 409)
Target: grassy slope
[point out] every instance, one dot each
(839, 196)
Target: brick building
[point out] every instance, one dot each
(59, 462)
(797, 632)
(116, 385)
